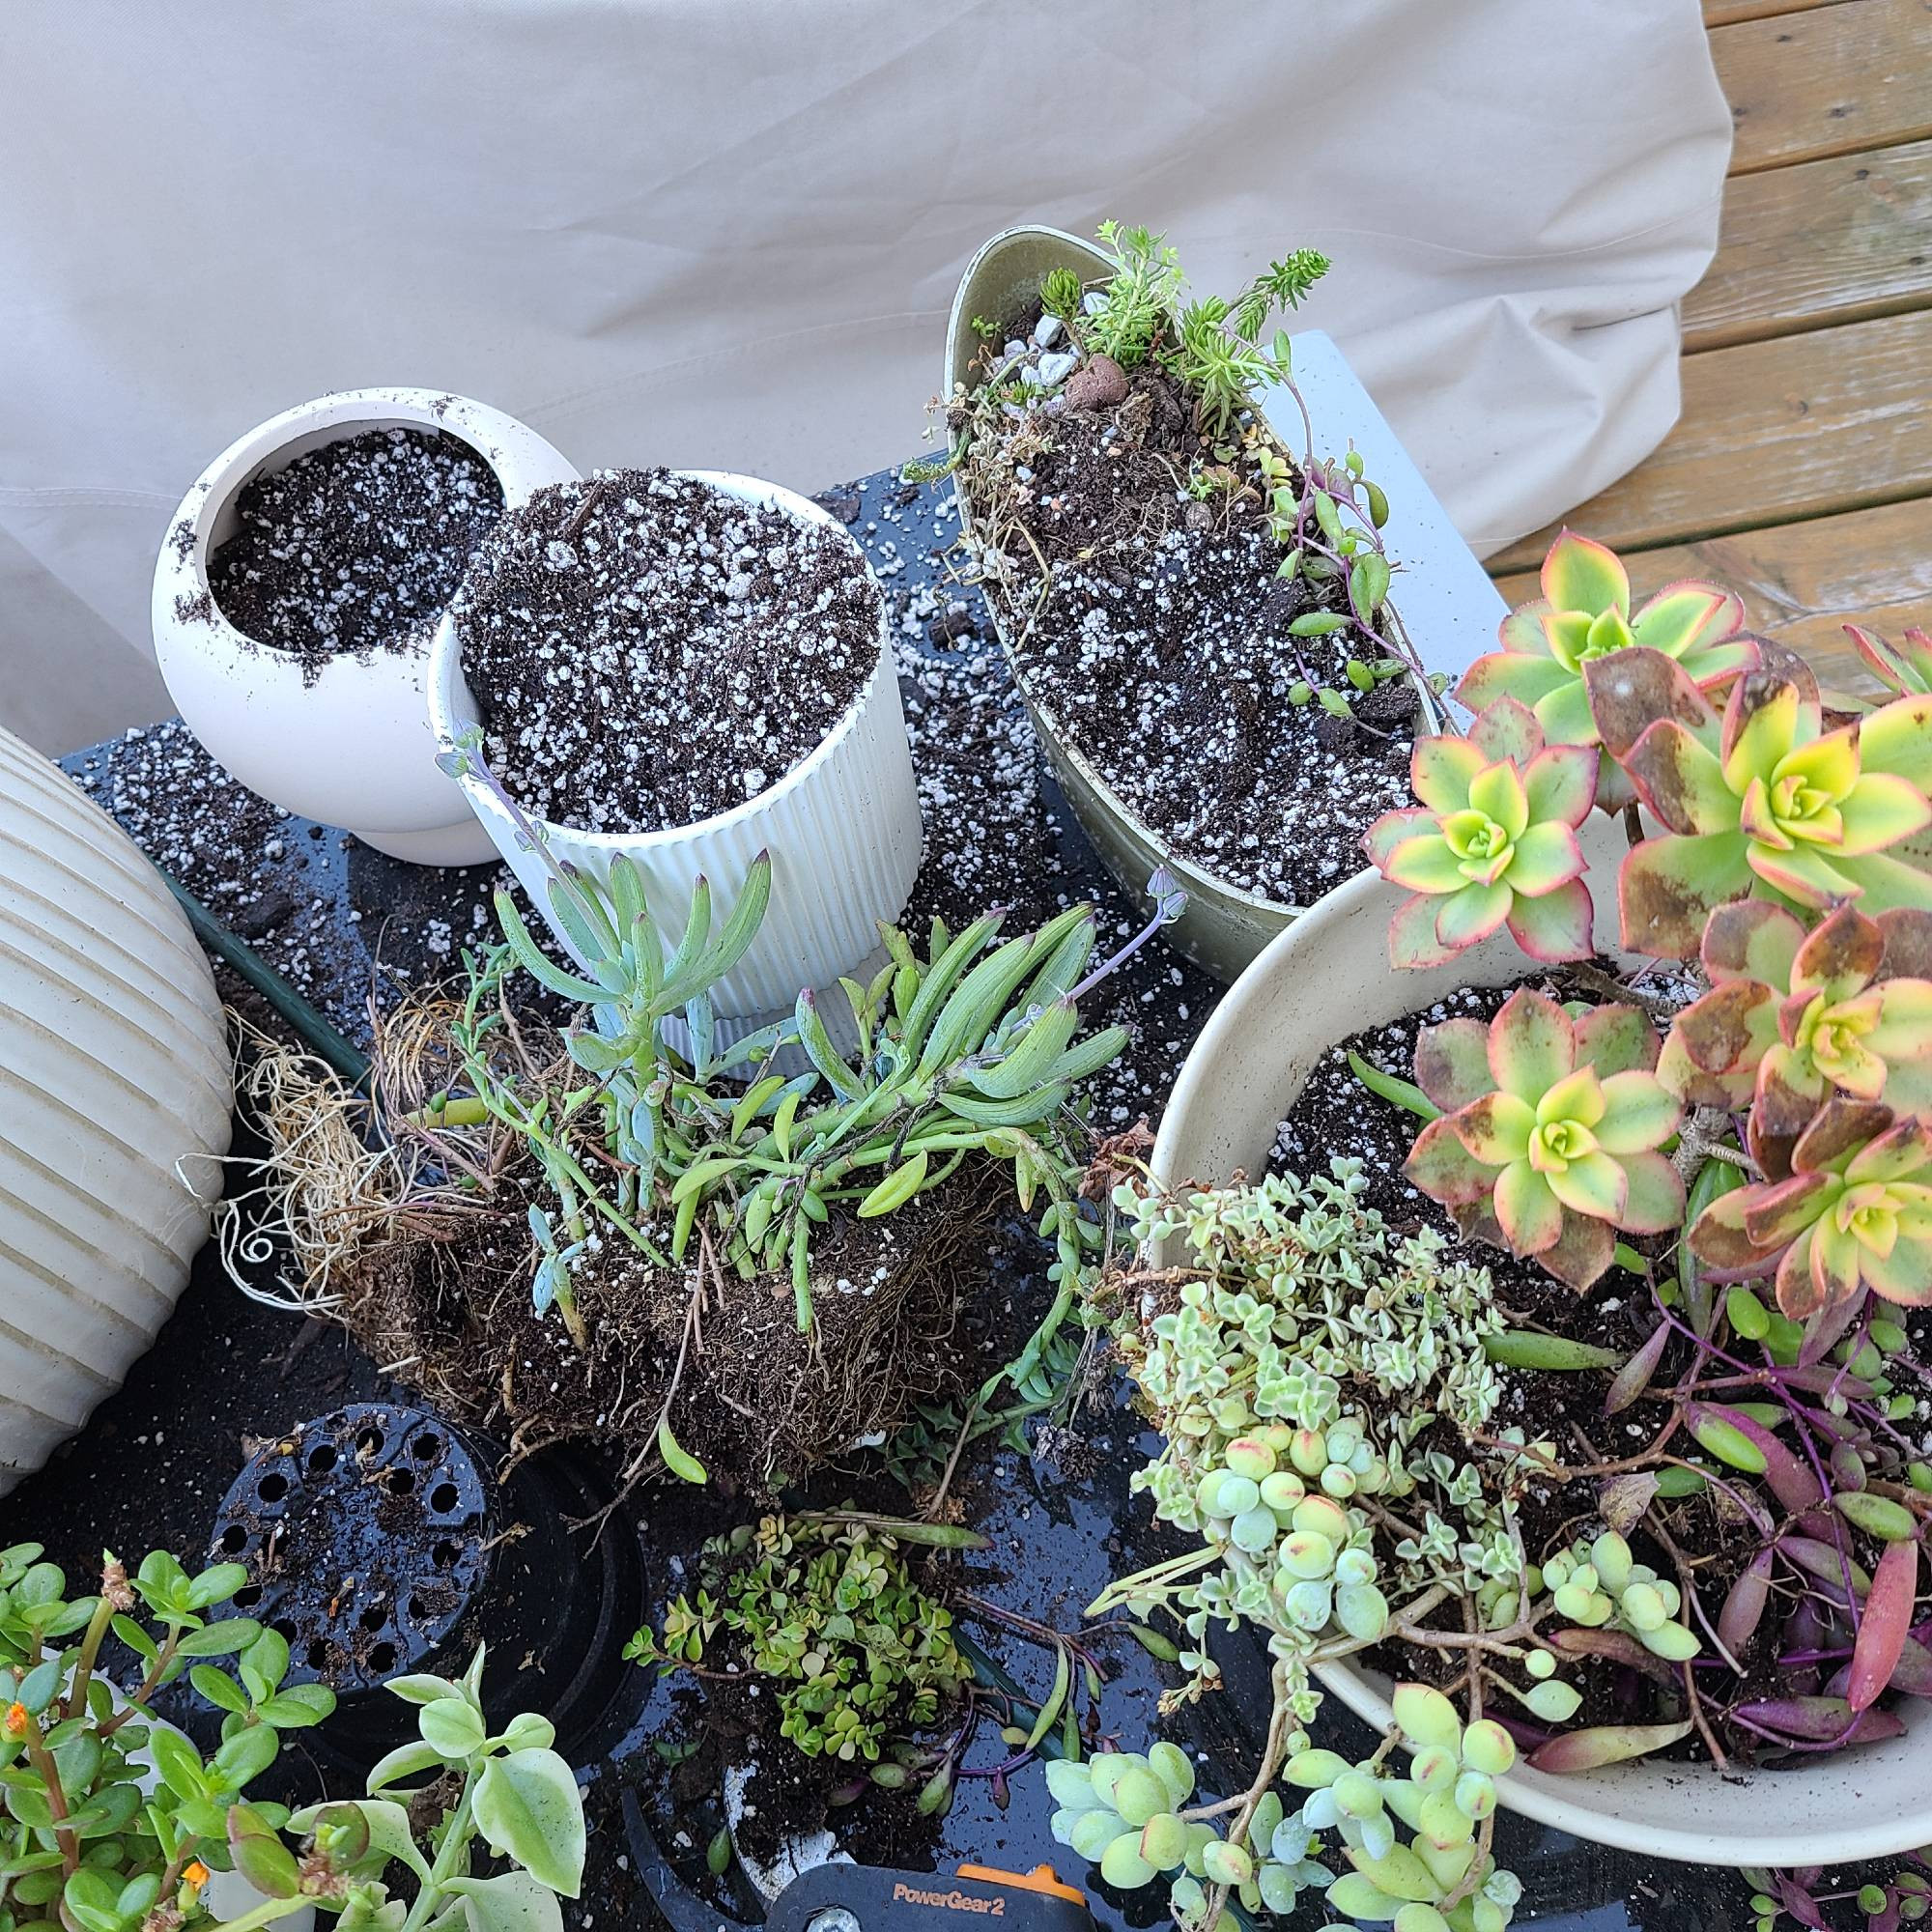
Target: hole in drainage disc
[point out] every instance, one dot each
(273, 1488)
(400, 1482)
(375, 1617)
(284, 1628)
(426, 1448)
(369, 1441)
(321, 1458)
(445, 1554)
(381, 1656)
(317, 1655)
(444, 1498)
(234, 1538)
(419, 1610)
(248, 1596)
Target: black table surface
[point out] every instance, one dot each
(337, 918)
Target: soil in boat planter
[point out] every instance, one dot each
(1152, 626)
(355, 547)
(1335, 1116)
(647, 651)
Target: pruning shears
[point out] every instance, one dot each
(868, 1898)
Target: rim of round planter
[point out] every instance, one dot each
(1226, 925)
(1868, 1802)
(445, 669)
(209, 646)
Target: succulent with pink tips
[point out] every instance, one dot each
(1762, 802)
(1905, 666)
(1548, 1137)
(1493, 843)
(1584, 615)
(1855, 1213)
(1793, 1017)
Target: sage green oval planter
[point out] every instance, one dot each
(1225, 927)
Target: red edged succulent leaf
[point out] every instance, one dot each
(1886, 1627)
(1905, 666)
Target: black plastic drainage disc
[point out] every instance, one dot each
(366, 1534)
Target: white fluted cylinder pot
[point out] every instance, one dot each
(114, 1099)
(843, 826)
(349, 743)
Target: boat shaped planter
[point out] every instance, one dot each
(1447, 602)
(353, 748)
(1322, 980)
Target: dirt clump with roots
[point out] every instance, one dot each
(416, 1238)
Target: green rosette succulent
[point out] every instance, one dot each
(1762, 802)
(1855, 1213)
(1584, 614)
(1548, 1137)
(1492, 844)
(1793, 1017)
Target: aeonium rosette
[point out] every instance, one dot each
(1854, 1212)
(1584, 615)
(1762, 802)
(1549, 1131)
(1793, 1017)
(1493, 843)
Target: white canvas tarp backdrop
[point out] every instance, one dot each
(724, 234)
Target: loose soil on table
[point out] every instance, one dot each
(1333, 1116)
(647, 651)
(355, 547)
(1153, 627)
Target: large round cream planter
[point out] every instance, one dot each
(1325, 978)
(353, 747)
(114, 1100)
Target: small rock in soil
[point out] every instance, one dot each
(1098, 384)
(355, 547)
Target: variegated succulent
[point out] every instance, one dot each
(1855, 1213)
(1762, 802)
(1584, 614)
(1492, 843)
(1793, 1017)
(1548, 1141)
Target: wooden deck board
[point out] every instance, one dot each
(1827, 80)
(1799, 426)
(1803, 582)
(1723, 13)
(1837, 240)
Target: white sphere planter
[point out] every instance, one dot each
(114, 1095)
(841, 827)
(352, 747)
(1325, 979)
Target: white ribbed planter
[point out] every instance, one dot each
(114, 1074)
(1326, 977)
(354, 748)
(843, 826)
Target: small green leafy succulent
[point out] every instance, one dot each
(513, 1792)
(1763, 802)
(84, 1847)
(1904, 668)
(1493, 843)
(1584, 614)
(828, 1609)
(1550, 1131)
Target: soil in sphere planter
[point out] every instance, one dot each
(647, 650)
(379, 1544)
(355, 547)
